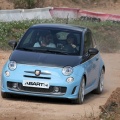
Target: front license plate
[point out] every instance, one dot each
(36, 84)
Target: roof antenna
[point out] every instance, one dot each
(67, 18)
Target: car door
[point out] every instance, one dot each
(91, 63)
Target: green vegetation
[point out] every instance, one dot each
(28, 4)
(24, 3)
(106, 34)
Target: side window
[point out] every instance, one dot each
(88, 42)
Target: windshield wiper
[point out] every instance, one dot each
(57, 51)
(26, 49)
(63, 52)
(33, 49)
(46, 51)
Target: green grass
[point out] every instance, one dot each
(106, 34)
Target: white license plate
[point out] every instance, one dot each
(36, 84)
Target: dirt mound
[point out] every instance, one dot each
(111, 109)
(5, 4)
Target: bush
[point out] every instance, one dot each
(24, 4)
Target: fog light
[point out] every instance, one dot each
(70, 79)
(56, 89)
(7, 73)
(15, 85)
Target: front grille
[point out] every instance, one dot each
(35, 90)
(37, 77)
(32, 75)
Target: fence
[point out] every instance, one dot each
(50, 12)
(64, 13)
(25, 14)
(83, 14)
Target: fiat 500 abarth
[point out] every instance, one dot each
(54, 60)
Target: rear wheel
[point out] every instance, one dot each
(81, 93)
(99, 89)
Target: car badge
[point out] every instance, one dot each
(37, 72)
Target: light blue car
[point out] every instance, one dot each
(54, 60)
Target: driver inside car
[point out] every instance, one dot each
(71, 43)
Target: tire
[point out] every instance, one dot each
(6, 95)
(81, 93)
(99, 89)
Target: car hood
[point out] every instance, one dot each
(44, 59)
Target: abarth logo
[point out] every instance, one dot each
(37, 72)
(36, 84)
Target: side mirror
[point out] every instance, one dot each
(12, 43)
(93, 51)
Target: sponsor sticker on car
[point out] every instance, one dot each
(34, 83)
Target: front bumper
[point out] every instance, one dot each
(68, 91)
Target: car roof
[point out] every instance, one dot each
(60, 26)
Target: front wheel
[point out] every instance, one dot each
(6, 95)
(81, 93)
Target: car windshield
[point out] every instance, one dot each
(48, 40)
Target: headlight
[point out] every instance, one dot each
(12, 65)
(67, 70)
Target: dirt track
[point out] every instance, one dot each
(54, 109)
